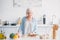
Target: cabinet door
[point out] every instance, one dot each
(44, 31)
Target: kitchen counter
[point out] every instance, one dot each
(29, 38)
(40, 30)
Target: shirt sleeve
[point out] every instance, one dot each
(21, 28)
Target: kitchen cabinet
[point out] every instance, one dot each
(45, 30)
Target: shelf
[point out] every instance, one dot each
(9, 26)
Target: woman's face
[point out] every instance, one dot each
(29, 13)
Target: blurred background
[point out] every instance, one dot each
(13, 9)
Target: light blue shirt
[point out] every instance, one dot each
(22, 27)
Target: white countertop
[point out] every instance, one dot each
(30, 38)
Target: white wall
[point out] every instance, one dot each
(49, 7)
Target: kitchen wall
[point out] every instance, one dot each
(49, 7)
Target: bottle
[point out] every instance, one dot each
(19, 21)
(44, 19)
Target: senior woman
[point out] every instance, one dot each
(28, 24)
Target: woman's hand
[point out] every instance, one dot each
(32, 34)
